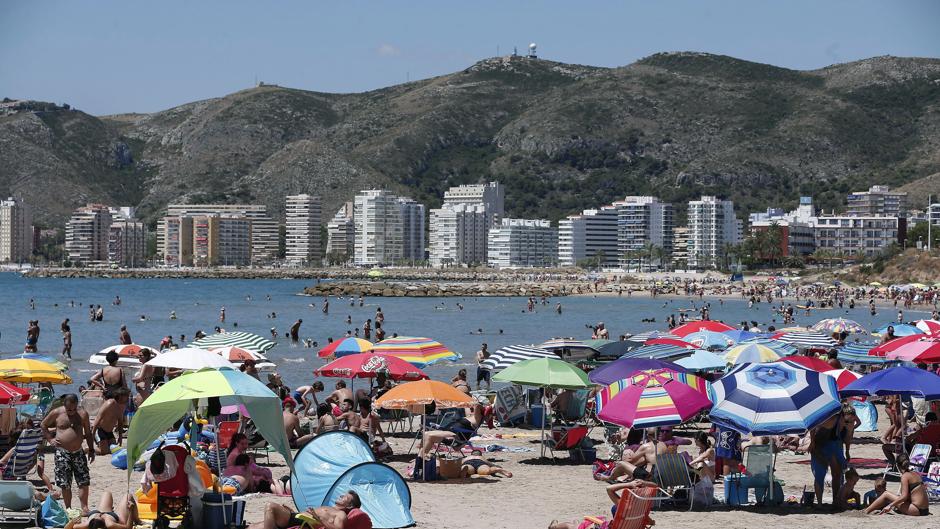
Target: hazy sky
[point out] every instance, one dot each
(112, 56)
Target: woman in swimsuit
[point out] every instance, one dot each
(107, 517)
(460, 381)
(326, 422)
(704, 464)
(461, 431)
(475, 464)
(912, 499)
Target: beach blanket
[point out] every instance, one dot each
(857, 462)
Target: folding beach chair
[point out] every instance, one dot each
(633, 510)
(16, 504)
(760, 473)
(565, 438)
(225, 431)
(919, 457)
(671, 473)
(173, 494)
(577, 406)
(25, 454)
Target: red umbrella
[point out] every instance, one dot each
(809, 362)
(929, 326)
(701, 325)
(885, 348)
(10, 394)
(670, 341)
(368, 365)
(843, 377)
(925, 350)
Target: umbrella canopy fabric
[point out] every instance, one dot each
(900, 329)
(781, 348)
(806, 339)
(245, 340)
(10, 394)
(128, 355)
(857, 353)
(42, 358)
(702, 360)
(420, 352)
(653, 398)
(546, 373)
(900, 380)
(346, 346)
(189, 359)
(30, 371)
(511, 354)
(750, 353)
(618, 348)
(182, 394)
(709, 340)
(831, 325)
(669, 341)
(649, 335)
(596, 343)
(738, 335)
(810, 362)
(423, 392)
(238, 356)
(658, 352)
(924, 350)
(623, 368)
(700, 325)
(928, 326)
(843, 377)
(369, 365)
(773, 399)
(887, 347)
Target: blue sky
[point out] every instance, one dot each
(113, 56)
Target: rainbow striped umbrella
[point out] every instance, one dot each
(655, 397)
(346, 346)
(831, 325)
(421, 352)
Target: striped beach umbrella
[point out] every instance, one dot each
(926, 350)
(709, 340)
(929, 326)
(738, 335)
(887, 347)
(245, 340)
(781, 348)
(653, 398)
(346, 346)
(806, 339)
(750, 353)
(623, 368)
(857, 353)
(506, 356)
(418, 351)
(669, 341)
(701, 325)
(658, 352)
(773, 399)
(649, 335)
(900, 329)
(702, 360)
(843, 377)
(831, 325)
(10, 394)
(811, 362)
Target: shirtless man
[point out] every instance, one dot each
(342, 393)
(300, 397)
(295, 331)
(349, 420)
(277, 515)
(71, 427)
(292, 425)
(637, 465)
(369, 422)
(109, 418)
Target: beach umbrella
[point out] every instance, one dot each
(658, 352)
(781, 348)
(669, 341)
(926, 350)
(738, 335)
(857, 353)
(128, 355)
(701, 325)
(375, 272)
(238, 356)
(650, 335)
(900, 329)
(545, 373)
(10, 394)
(899, 380)
(709, 340)
(346, 346)
(887, 347)
(421, 352)
(506, 356)
(596, 343)
(625, 368)
(773, 399)
(840, 325)
(702, 360)
(843, 377)
(806, 339)
(30, 371)
(245, 340)
(929, 326)
(42, 358)
(414, 396)
(189, 359)
(617, 349)
(369, 365)
(753, 353)
(653, 398)
(810, 362)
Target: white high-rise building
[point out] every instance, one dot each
(264, 237)
(412, 229)
(16, 231)
(341, 235)
(491, 196)
(643, 221)
(522, 243)
(585, 236)
(302, 223)
(877, 201)
(712, 226)
(378, 228)
(87, 233)
(127, 239)
(458, 235)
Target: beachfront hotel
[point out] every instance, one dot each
(87, 233)
(856, 235)
(712, 227)
(643, 224)
(492, 196)
(522, 243)
(341, 235)
(264, 229)
(127, 239)
(590, 235)
(16, 231)
(877, 201)
(302, 227)
(412, 230)
(377, 216)
(458, 235)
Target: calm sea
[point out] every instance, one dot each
(251, 303)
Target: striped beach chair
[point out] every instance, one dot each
(25, 454)
(671, 473)
(633, 510)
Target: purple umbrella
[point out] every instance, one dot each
(625, 367)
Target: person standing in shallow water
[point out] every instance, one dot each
(66, 339)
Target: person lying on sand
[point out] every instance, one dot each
(106, 516)
(474, 464)
(345, 515)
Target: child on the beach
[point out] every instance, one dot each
(880, 487)
(850, 498)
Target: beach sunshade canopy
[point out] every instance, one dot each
(128, 355)
(416, 395)
(709, 340)
(806, 339)
(702, 360)
(184, 393)
(929, 326)
(618, 348)
(750, 353)
(773, 399)
(810, 362)
(346, 346)
(669, 341)
(659, 352)
(900, 329)
(506, 356)
(857, 353)
(189, 359)
(781, 348)
(596, 343)
(649, 335)
(653, 398)
(840, 325)
(564, 343)
(245, 340)
(238, 356)
(421, 352)
(926, 350)
(43, 358)
(897, 343)
(623, 368)
(10, 394)
(546, 373)
(900, 380)
(738, 335)
(369, 365)
(843, 377)
(25, 370)
(700, 325)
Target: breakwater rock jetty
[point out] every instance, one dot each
(435, 289)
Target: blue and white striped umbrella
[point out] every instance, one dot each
(857, 353)
(782, 348)
(649, 335)
(807, 339)
(773, 399)
(511, 354)
(659, 352)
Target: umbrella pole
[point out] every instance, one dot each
(544, 411)
(218, 464)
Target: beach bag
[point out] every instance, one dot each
(425, 469)
(52, 514)
(601, 469)
(448, 468)
(703, 493)
(735, 492)
(119, 459)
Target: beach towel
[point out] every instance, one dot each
(868, 414)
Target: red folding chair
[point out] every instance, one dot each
(633, 510)
(566, 438)
(225, 431)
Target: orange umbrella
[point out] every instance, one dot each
(422, 393)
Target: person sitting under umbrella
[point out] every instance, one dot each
(461, 431)
(637, 464)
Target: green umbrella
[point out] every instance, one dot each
(596, 344)
(545, 373)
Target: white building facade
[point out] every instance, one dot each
(492, 196)
(87, 233)
(302, 220)
(852, 235)
(712, 226)
(16, 231)
(458, 235)
(522, 243)
(378, 239)
(643, 222)
(341, 235)
(264, 229)
(590, 235)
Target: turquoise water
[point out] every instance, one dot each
(197, 303)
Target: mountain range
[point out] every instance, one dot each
(560, 137)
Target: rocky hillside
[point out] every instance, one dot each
(561, 138)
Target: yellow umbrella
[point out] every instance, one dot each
(875, 284)
(30, 371)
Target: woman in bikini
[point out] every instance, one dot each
(474, 464)
(912, 499)
(704, 464)
(106, 516)
(460, 381)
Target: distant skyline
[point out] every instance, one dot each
(111, 56)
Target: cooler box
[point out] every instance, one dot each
(212, 511)
(535, 415)
(735, 492)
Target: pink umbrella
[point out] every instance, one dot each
(843, 377)
(924, 350)
(655, 397)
